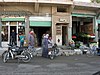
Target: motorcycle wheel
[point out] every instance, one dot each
(5, 56)
(27, 57)
(51, 57)
(56, 50)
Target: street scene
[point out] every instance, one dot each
(50, 37)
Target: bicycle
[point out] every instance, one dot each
(33, 50)
(92, 51)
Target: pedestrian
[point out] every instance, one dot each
(45, 45)
(21, 37)
(50, 43)
(31, 39)
(13, 37)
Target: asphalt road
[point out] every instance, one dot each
(61, 65)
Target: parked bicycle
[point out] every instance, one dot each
(33, 50)
(92, 51)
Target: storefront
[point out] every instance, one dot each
(40, 25)
(83, 26)
(12, 23)
(61, 29)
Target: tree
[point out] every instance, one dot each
(98, 1)
(95, 1)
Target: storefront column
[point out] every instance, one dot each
(69, 33)
(70, 30)
(95, 28)
(26, 26)
(53, 32)
(0, 32)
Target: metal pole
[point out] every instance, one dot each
(99, 37)
(0, 32)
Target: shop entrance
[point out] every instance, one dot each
(6, 33)
(15, 29)
(81, 28)
(39, 31)
(64, 35)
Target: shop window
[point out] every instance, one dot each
(21, 29)
(13, 23)
(4, 33)
(61, 9)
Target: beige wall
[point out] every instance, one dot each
(30, 8)
(58, 17)
(17, 8)
(45, 9)
(41, 1)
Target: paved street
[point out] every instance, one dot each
(61, 65)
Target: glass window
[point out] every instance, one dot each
(61, 9)
(4, 33)
(21, 29)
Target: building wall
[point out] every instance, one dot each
(62, 18)
(43, 9)
(83, 11)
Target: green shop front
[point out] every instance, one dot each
(11, 23)
(84, 27)
(40, 25)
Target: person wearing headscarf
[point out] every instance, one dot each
(31, 39)
(45, 45)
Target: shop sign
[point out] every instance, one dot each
(62, 20)
(39, 18)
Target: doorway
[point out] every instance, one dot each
(39, 31)
(15, 29)
(64, 35)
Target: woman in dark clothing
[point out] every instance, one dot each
(45, 46)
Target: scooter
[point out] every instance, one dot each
(15, 52)
(53, 52)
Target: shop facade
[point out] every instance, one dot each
(60, 20)
(40, 17)
(12, 23)
(40, 25)
(84, 22)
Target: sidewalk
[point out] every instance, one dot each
(63, 50)
(2, 49)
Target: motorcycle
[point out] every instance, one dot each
(15, 52)
(53, 52)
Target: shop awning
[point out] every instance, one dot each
(82, 15)
(40, 23)
(98, 21)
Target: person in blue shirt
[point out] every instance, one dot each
(21, 37)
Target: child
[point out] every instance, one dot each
(21, 37)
